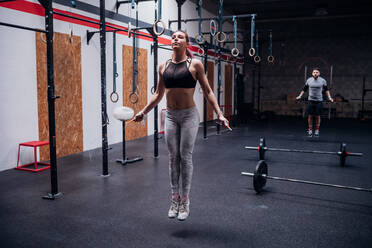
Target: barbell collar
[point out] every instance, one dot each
(252, 147)
(357, 154)
(247, 174)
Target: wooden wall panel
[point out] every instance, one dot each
(134, 130)
(68, 108)
(210, 76)
(228, 91)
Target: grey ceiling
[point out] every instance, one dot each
(277, 10)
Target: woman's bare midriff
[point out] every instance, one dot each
(180, 98)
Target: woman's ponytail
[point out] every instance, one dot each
(189, 53)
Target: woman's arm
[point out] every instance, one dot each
(155, 99)
(208, 93)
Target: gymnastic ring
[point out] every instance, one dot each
(42, 39)
(116, 74)
(235, 52)
(218, 35)
(114, 96)
(199, 38)
(152, 90)
(135, 99)
(251, 51)
(212, 27)
(257, 59)
(270, 59)
(201, 51)
(155, 25)
(129, 29)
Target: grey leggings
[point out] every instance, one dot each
(181, 128)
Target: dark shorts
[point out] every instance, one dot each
(314, 108)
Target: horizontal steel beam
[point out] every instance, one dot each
(76, 18)
(212, 18)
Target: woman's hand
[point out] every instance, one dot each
(139, 116)
(224, 121)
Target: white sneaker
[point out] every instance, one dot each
(310, 133)
(173, 210)
(316, 134)
(184, 210)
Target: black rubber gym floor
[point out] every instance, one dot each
(129, 208)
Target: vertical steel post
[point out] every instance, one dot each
(259, 91)
(51, 102)
(204, 99)
(220, 2)
(156, 131)
(363, 95)
(179, 7)
(253, 89)
(235, 91)
(103, 88)
(123, 131)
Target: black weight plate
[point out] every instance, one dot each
(258, 180)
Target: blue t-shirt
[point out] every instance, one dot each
(316, 87)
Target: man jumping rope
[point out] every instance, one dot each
(316, 85)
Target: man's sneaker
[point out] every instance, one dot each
(184, 210)
(310, 133)
(174, 208)
(316, 134)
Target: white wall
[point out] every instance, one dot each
(18, 82)
(18, 88)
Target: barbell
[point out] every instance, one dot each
(342, 153)
(260, 176)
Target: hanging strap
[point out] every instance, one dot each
(199, 38)
(235, 50)
(158, 19)
(133, 97)
(198, 8)
(270, 58)
(220, 36)
(220, 5)
(159, 10)
(257, 58)
(251, 50)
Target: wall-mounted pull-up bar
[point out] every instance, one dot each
(22, 27)
(114, 29)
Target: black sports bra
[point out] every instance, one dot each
(178, 75)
